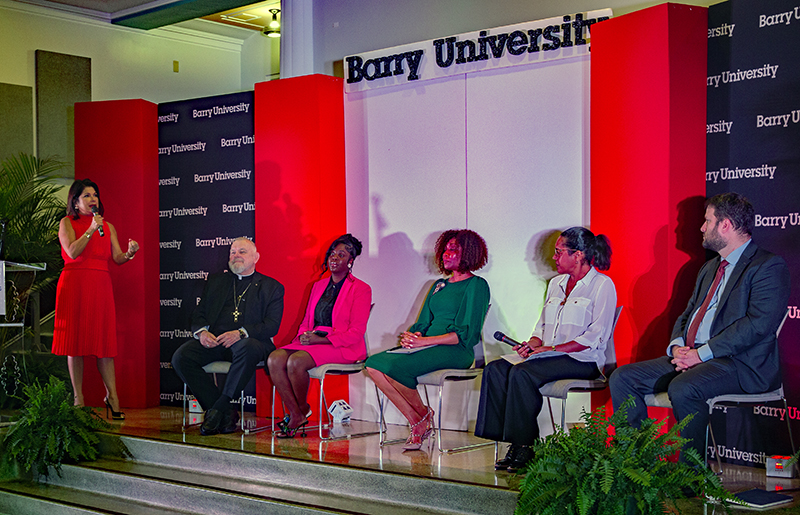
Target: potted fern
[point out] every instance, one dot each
(589, 471)
(50, 430)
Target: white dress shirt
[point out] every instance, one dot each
(586, 316)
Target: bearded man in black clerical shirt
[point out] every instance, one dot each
(235, 321)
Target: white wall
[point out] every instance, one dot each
(132, 63)
(343, 28)
(504, 152)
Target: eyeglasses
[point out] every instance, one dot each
(559, 251)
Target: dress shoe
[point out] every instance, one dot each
(230, 422)
(523, 456)
(503, 464)
(211, 422)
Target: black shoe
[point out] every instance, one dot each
(230, 422)
(503, 464)
(211, 422)
(524, 455)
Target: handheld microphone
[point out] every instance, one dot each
(500, 337)
(100, 228)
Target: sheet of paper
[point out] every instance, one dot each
(515, 358)
(403, 350)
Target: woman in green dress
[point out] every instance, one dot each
(449, 325)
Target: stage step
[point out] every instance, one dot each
(185, 478)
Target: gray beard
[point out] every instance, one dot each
(236, 268)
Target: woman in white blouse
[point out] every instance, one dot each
(574, 327)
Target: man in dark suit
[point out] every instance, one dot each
(725, 342)
(235, 321)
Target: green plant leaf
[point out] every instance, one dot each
(50, 430)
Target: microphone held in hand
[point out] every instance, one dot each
(500, 337)
(99, 228)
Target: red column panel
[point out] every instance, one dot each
(300, 194)
(648, 114)
(116, 145)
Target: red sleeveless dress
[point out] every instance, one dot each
(85, 320)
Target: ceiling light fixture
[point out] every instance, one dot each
(273, 29)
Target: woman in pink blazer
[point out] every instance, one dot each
(332, 331)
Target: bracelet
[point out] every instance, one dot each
(129, 257)
(88, 235)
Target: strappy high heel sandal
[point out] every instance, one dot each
(429, 426)
(115, 415)
(415, 440)
(289, 432)
(283, 424)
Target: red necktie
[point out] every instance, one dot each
(701, 313)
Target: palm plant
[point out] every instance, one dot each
(30, 204)
(31, 209)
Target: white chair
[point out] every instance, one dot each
(661, 400)
(223, 367)
(319, 373)
(560, 389)
(437, 379)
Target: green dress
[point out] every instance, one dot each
(458, 307)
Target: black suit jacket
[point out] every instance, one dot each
(264, 301)
(749, 312)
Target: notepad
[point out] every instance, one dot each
(515, 358)
(403, 350)
(758, 499)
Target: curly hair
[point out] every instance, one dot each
(596, 249)
(474, 254)
(350, 242)
(74, 195)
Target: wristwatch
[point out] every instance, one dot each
(242, 334)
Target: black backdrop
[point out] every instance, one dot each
(206, 200)
(753, 142)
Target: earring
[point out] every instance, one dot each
(350, 265)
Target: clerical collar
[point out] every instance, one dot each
(243, 276)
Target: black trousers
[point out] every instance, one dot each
(688, 391)
(190, 358)
(510, 399)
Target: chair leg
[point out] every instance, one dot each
(453, 450)
(552, 419)
(789, 427)
(272, 418)
(183, 424)
(563, 414)
(321, 400)
(241, 411)
(439, 425)
(381, 422)
(710, 431)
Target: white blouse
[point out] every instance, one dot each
(586, 316)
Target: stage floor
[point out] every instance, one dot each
(475, 466)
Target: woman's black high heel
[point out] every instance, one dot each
(289, 432)
(115, 415)
(283, 424)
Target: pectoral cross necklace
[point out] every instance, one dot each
(237, 301)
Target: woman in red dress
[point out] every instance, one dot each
(85, 320)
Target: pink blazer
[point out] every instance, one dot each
(350, 315)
